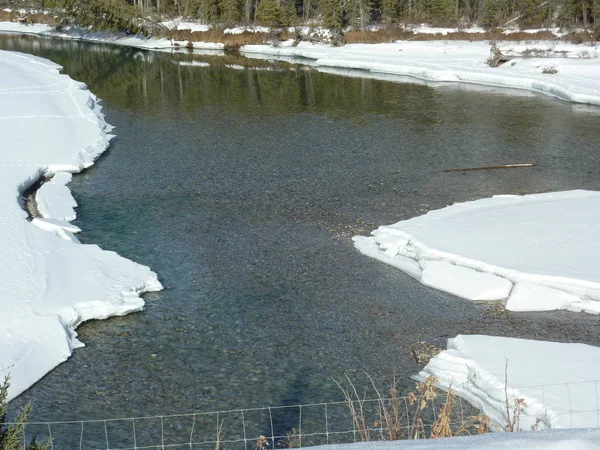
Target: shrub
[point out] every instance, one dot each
(11, 434)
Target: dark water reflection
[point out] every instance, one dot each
(241, 182)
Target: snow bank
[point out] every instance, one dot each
(562, 395)
(577, 76)
(546, 245)
(179, 24)
(252, 29)
(575, 69)
(50, 125)
(426, 29)
(576, 439)
(148, 43)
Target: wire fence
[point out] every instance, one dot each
(271, 427)
(575, 405)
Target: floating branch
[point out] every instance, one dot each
(506, 166)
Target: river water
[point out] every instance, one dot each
(240, 182)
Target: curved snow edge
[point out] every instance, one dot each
(491, 372)
(459, 67)
(75, 282)
(475, 279)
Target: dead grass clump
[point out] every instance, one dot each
(398, 417)
(383, 35)
(6, 16)
(521, 36)
(235, 41)
(583, 37)
(231, 41)
(28, 18)
(213, 35)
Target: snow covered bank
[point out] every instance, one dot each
(577, 67)
(147, 43)
(563, 395)
(51, 283)
(576, 439)
(568, 71)
(537, 252)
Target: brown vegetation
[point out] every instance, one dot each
(29, 18)
(397, 417)
(231, 41)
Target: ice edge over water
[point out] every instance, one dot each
(536, 252)
(576, 80)
(52, 283)
(489, 371)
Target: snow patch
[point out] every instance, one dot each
(577, 80)
(464, 282)
(546, 244)
(51, 124)
(54, 199)
(561, 395)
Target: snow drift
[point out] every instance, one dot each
(51, 126)
(491, 371)
(536, 252)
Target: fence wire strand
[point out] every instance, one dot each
(285, 426)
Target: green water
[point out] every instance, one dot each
(241, 182)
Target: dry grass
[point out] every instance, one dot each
(231, 41)
(391, 34)
(401, 418)
(13, 16)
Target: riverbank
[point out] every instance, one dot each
(304, 185)
(51, 126)
(568, 71)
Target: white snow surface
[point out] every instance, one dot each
(51, 124)
(251, 29)
(54, 198)
(149, 43)
(576, 67)
(577, 77)
(426, 29)
(573, 439)
(180, 24)
(562, 395)
(546, 245)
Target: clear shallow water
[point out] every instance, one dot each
(241, 189)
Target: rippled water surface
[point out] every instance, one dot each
(241, 182)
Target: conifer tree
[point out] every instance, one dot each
(11, 436)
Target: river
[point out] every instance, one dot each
(240, 182)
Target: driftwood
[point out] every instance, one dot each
(497, 58)
(506, 166)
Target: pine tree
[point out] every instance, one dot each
(276, 13)
(358, 13)
(332, 14)
(533, 13)
(231, 11)
(11, 436)
(390, 10)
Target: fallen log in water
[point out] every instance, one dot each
(505, 166)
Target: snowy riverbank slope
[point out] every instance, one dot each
(577, 67)
(536, 252)
(558, 382)
(568, 71)
(50, 125)
(147, 43)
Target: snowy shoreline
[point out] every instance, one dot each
(535, 252)
(40, 334)
(577, 77)
(570, 72)
(53, 283)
